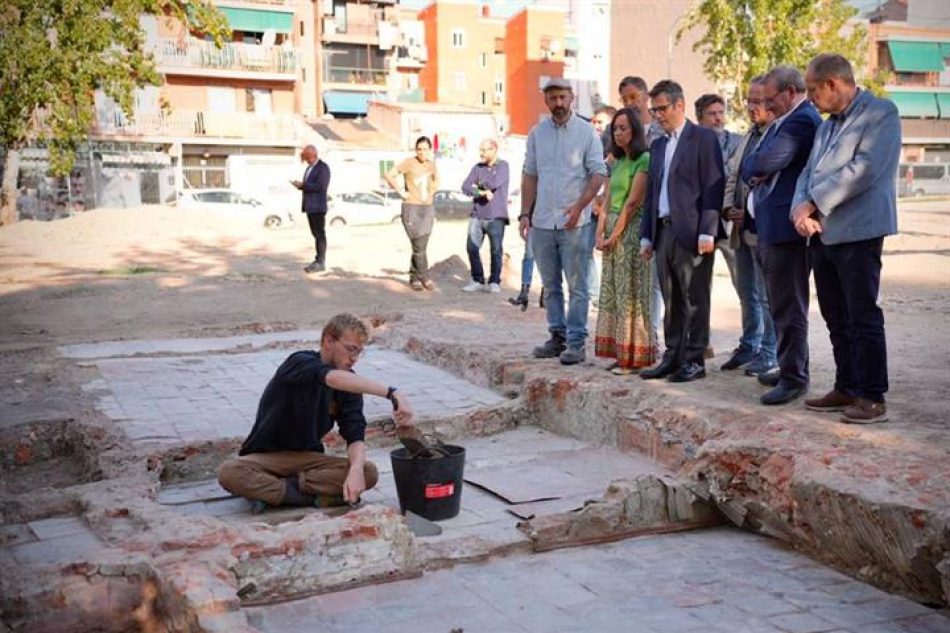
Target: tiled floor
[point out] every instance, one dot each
(208, 396)
(711, 581)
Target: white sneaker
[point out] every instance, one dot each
(473, 286)
(494, 288)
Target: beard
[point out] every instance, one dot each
(559, 111)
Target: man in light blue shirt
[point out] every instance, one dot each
(563, 170)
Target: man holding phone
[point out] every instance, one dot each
(316, 180)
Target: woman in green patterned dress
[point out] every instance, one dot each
(623, 323)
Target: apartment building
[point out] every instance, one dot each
(246, 97)
(360, 52)
(534, 51)
(466, 56)
(909, 46)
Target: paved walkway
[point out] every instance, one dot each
(710, 581)
(208, 394)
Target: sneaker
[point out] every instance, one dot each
(865, 412)
(770, 378)
(416, 285)
(552, 347)
(473, 286)
(427, 284)
(493, 288)
(834, 400)
(760, 365)
(740, 356)
(314, 267)
(573, 354)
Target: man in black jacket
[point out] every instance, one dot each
(316, 180)
(282, 461)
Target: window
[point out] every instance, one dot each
(458, 38)
(499, 45)
(301, 28)
(483, 60)
(459, 79)
(499, 87)
(484, 98)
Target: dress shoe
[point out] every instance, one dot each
(314, 267)
(770, 378)
(783, 393)
(864, 411)
(688, 373)
(664, 369)
(832, 401)
(740, 356)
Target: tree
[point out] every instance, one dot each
(744, 38)
(54, 55)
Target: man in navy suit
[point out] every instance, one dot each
(316, 179)
(846, 200)
(772, 170)
(679, 225)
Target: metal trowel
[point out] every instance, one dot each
(421, 526)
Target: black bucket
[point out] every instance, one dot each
(431, 488)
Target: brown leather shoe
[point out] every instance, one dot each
(865, 412)
(834, 400)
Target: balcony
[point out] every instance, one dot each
(925, 130)
(356, 78)
(411, 56)
(237, 60)
(184, 124)
(351, 31)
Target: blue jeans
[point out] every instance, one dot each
(758, 331)
(560, 253)
(527, 262)
(477, 230)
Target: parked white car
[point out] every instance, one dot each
(361, 207)
(227, 201)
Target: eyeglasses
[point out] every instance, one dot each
(660, 108)
(354, 351)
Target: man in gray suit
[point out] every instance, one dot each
(846, 197)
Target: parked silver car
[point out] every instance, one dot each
(225, 200)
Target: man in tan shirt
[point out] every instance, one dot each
(420, 182)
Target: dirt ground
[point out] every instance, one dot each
(158, 272)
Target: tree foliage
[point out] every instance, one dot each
(744, 38)
(54, 55)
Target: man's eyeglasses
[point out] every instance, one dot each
(354, 351)
(660, 108)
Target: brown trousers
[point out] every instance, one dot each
(260, 476)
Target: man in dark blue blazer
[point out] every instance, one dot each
(772, 170)
(679, 225)
(316, 179)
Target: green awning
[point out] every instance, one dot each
(916, 57)
(258, 21)
(915, 105)
(943, 101)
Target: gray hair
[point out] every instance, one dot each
(827, 65)
(785, 77)
(491, 141)
(758, 80)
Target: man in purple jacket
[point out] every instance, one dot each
(487, 183)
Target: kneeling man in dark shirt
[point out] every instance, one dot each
(282, 461)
